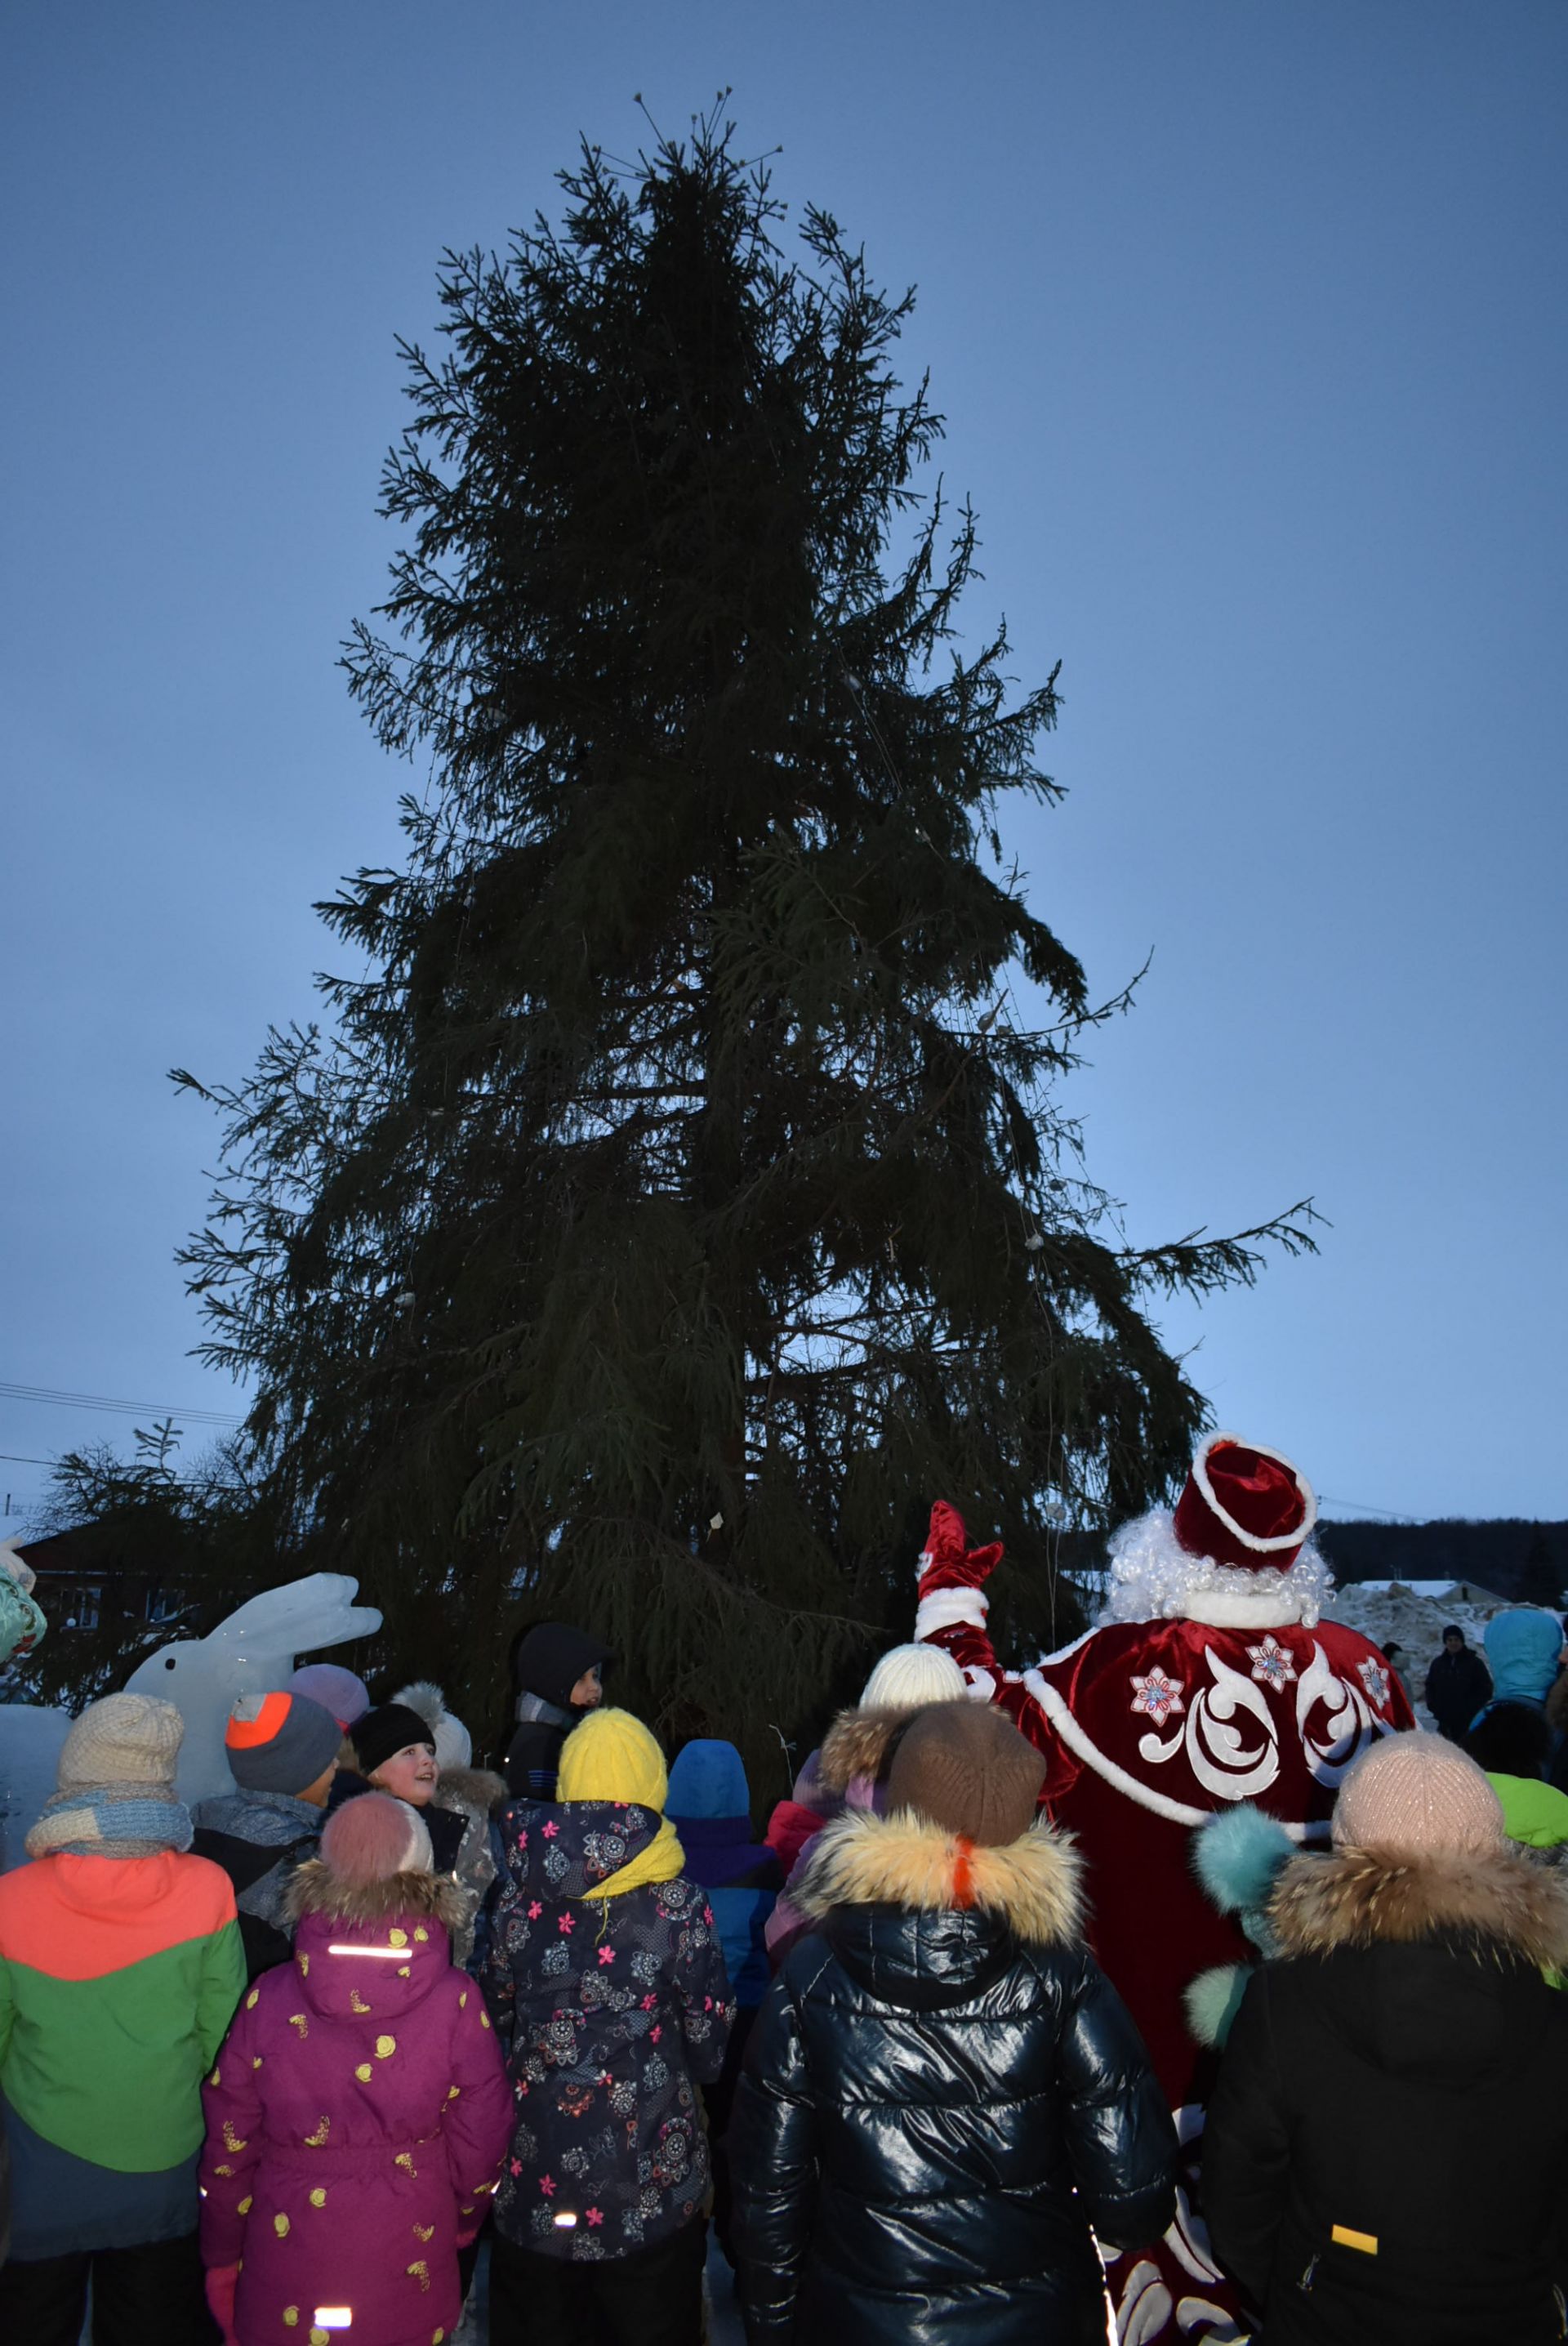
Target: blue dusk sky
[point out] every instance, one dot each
(1249, 325)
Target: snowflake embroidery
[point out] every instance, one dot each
(649, 2002)
(550, 1829)
(517, 2166)
(1157, 1695)
(534, 1911)
(595, 2216)
(1271, 1663)
(607, 1955)
(566, 1925)
(547, 2185)
(653, 2035)
(1375, 1679)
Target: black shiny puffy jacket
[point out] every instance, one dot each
(940, 2100)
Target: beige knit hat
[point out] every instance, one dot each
(964, 1766)
(1418, 1796)
(908, 1676)
(125, 1739)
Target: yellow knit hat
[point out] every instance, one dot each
(612, 1756)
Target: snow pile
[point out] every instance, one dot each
(1393, 1613)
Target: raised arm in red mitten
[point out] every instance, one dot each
(952, 1614)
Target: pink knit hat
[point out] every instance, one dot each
(1418, 1796)
(373, 1837)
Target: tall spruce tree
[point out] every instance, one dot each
(680, 1202)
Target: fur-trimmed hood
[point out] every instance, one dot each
(1501, 1903)
(1034, 1885)
(861, 1743)
(315, 1889)
(472, 1788)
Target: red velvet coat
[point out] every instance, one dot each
(1149, 1727)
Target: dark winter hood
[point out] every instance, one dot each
(373, 1949)
(1432, 1968)
(551, 1659)
(558, 1852)
(922, 1918)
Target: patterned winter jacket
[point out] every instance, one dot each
(617, 2009)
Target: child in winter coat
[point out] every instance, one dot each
(709, 1805)
(850, 1769)
(282, 1754)
(559, 1673)
(1387, 2149)
(607, 1972)
(357, 2113)
(399, 1748)
(120, 1966)
(943, 2092)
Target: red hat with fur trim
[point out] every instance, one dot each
(1243, 1505)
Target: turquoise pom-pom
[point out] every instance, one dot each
(1237, 1856)
(1213, 2001)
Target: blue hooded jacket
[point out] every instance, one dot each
(709, 1805)
(1521, 1650)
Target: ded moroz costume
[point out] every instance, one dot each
(1210, 1678)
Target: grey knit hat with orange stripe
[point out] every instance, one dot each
(279, 1742)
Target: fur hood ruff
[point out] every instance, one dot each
(1359, 1898)
(861, 1743)
(1033, 1884)
(472, 1788)
(314, 1889)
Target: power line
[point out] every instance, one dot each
(58, 1398)
(16, 1458)
(1388, 1515)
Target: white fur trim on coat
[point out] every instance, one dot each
(950, 1608)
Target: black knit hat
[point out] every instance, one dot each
(387, 1728)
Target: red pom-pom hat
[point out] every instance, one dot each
(1245, 1505)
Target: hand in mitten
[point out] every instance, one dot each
(947, 1561)
(221, 2283)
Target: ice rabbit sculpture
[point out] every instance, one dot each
(253, 1650)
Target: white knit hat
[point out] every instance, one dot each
(909, 1677)
(1418, 1796)
(125, 1738)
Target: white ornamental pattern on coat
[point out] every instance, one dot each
(1230, 1733)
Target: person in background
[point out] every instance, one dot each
(357, 2115)
(120, 1965)
(709, 1805)
(607, 1980)
(395, 1746)
(22, 1623)
(1511, 1742)
(559, 1674)
(850, 1768)
(1524, 1653)
(282, 1752)
(338, 1690)
(1387, 2149)
(943, 2093)
(1458, 1683)
(1398, 1661)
